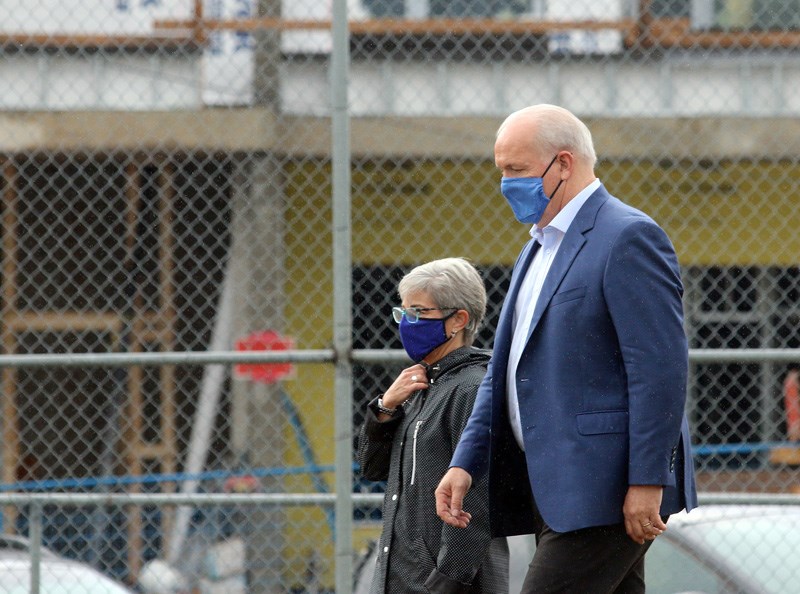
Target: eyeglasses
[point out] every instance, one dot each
(412, 313)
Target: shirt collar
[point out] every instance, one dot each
(563, 219)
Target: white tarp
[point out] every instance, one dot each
(228, 62)
(88, 17)
(584, 41)
(228, 58)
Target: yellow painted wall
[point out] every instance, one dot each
(729, 213)
(721, 213)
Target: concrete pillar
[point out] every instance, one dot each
(258, 421)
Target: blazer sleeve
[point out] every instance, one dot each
(644, 292)
(472, 451)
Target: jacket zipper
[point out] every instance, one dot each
(414, 453)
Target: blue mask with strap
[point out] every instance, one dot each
(526, 195)
(424, 335)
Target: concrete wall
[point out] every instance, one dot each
(468, 136)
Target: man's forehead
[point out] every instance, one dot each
(514, 143)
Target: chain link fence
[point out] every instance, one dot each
(169, 183)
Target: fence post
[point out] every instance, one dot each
(342, 297)
(36, 546)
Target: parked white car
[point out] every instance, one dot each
(715, 549)
(58, 575)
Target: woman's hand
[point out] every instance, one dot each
(409, 381)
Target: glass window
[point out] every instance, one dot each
(450, 8)
(669, 8)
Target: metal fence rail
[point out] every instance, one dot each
(35, 505)
(40, 499)
(325, 356)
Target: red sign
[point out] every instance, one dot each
(268, 373)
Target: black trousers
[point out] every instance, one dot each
(597, 560)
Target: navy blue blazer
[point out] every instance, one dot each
(601, 382)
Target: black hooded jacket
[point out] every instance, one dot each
(412, 450)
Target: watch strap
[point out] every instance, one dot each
(387, 411)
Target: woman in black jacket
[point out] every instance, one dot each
(410, 433)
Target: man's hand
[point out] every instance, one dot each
(450, 497)
(641, 510)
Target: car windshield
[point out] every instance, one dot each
(761, 547)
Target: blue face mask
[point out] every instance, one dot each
(421, 337)
(526, 195)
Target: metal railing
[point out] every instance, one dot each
(343, 500)
(324, 356)
(35, 502)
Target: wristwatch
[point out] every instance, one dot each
(387, 411)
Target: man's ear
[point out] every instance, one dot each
(566, 161)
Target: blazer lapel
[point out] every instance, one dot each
(505, 326)
(570, 247)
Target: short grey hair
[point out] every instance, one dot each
(450, 282)
(558, 129)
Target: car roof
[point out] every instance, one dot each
(710, 513)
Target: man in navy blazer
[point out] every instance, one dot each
(580, 419)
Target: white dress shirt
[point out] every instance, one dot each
(550, 239)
